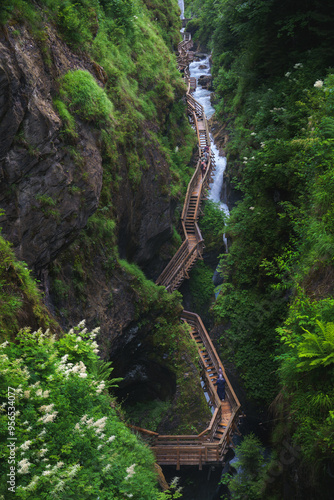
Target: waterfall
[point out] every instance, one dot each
(181, 5)
(198, 68)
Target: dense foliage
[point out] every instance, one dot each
(20, 300)
(70, 441)
(274, 86)
(251, 467)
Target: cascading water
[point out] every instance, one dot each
(181, 5)
(202, 95)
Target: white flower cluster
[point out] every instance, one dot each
(23, 466)
(25, 446)
(100, 387)
(68, 368)
(298, 65)
(130, 471)
(42, 394)
(97, 426)
(277, 109)
(73, 470)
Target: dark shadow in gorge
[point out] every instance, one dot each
(142, 366)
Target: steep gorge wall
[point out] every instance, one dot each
(37, 171)
(73, 205)
(47, 198)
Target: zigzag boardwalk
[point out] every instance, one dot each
(210, 446)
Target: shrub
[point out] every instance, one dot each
(70, 442)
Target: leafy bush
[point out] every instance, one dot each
(70, 441)
(249, 481)
(83, 96)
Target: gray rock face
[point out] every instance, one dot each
(45, 196)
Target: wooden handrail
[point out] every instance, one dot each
(200, 448)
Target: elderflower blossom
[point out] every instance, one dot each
(100, 425)
(49, 417)
(253, 133)
(94, 333)
(82, 324)
(42, 452)
(287, 74)
(298, 65)
(23, 466)
(59, 486)
(26, 394)
(106, 468)
(130, 471)
(25, 446)
(4, 344)
(100, 387)
(111, 439)
(73, 470)
(318, 84)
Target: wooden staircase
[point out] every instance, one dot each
(211, 445)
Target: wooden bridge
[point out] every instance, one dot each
(211, 445)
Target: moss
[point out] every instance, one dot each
(21, 302)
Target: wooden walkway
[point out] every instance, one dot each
(211, 445)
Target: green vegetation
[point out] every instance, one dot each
(274, 87)
(149, 414)
(201, 288)
(20, 300)
(189, 412)
(212, 224)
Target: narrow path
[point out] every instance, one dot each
(211, 445)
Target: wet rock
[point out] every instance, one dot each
(37, 172)
(205, 81)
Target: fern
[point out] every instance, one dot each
(317, 348)
(102, 371)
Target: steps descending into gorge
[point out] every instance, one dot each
(211, 445)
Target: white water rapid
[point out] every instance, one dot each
(197, 69)
(181, 5)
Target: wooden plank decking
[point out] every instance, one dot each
(210, 446)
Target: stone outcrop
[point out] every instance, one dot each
(47, 194)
